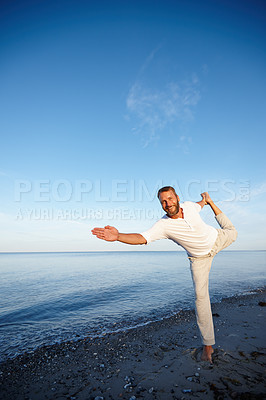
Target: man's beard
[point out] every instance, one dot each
(174, 210)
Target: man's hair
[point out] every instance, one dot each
(165, 189)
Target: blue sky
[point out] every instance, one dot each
(104, 102)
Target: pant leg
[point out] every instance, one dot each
(200, 269)
(226, 235)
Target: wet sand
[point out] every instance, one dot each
(157, 361)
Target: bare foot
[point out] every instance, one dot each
(207, 354)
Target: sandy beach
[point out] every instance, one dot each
(158, 361)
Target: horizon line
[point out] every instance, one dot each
(113, 251)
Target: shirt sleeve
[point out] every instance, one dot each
(192, 205)
(197, 207)
(156, 232)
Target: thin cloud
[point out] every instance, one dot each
(258, 190)
(184, 143)
(148, 61)
(205, 69)
(153, 109)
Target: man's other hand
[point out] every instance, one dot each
(206, 197)
(108, 233)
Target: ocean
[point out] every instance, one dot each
(47, 298)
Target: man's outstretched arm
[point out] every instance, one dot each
(111, 234)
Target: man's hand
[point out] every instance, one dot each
(108, 233)
(206, 198)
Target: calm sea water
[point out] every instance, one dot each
(50, 297)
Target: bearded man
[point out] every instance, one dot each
(183, 225)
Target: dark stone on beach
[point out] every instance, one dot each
(256, 354)
(163, 347)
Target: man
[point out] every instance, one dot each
(183, 224)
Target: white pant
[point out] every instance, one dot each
(200, 268)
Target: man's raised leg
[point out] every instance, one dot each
(228, 233)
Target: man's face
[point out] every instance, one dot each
(170, 202)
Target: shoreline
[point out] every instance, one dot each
(123, 326)
(159, 360)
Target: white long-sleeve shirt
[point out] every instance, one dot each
(190, 232)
